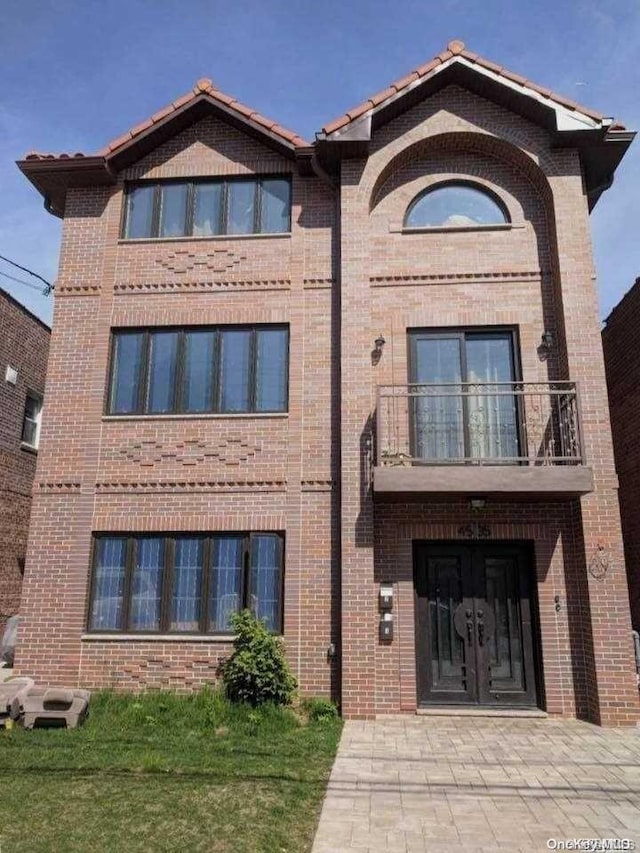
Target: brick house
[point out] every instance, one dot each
(356, 385)
(24, 349)
(622, 364)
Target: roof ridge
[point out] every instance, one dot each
(454, 48)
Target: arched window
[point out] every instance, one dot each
(455, 205)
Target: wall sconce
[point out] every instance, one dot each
(378, 346)
(546, 341)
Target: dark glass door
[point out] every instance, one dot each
(463, 405)
(474, 640)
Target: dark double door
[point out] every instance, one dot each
(474, 639)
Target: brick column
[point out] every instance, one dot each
(358, 595)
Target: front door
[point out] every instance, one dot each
(474, 639)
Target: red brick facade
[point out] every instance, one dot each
(622, 361)
(346, 274)
(24, 346)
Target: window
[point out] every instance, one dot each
(455, 205)
(31, 422)
(226, 369)
(207, 208)
(185, 584)
(463, 401)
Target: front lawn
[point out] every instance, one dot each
(162, 772)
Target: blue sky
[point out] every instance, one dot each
(77, 73)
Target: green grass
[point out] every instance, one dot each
(162, 772)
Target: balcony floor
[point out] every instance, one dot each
(507, 482)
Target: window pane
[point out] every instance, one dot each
(455, 205)
(146, 585)
(29, 432)
(492, 418)
(32, 407)
(108, 585)
(126, 370)
(162, 371)
(139, 211)
(226, 581)
(235, 358)
(276, 206)
(199, 371)
(31, 423)
(265, 579)
(241, 207)
(438, 416)
(207, 213)
(173, 210)
(272, 350)
(187, 582)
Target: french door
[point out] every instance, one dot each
(474, 638)
(463, 406)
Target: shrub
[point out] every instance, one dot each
(319, 710)
(257, 671)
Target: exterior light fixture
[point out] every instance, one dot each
(379, 343)
(477, 503)
(546, 341)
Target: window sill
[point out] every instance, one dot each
(29, 448)
(207, 416)
(216, 237)
(158, 638)
(442, 229)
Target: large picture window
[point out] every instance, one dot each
(207, 208)
(185, 584)
(227, 369)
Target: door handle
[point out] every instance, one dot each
(481, 633)
(470, 631)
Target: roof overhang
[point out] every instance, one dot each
(52, 175)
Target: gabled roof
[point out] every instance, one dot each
(456, 51)
(52, 174)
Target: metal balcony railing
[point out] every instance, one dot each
(501, 423)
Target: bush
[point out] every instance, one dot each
(319, 710)
(257, 671)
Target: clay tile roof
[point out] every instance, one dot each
(204, 86)
(454, 48)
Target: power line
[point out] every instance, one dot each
(22, 281)
(48, 286)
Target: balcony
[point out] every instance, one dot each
(510, 440)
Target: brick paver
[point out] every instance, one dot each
(414, 784)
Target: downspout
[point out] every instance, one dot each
(334, 652)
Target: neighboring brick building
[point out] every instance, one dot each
(622, 363)
(252, 343)
(24, 349)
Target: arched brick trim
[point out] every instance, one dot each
(480, 143)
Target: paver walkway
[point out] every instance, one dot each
(477, 784)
